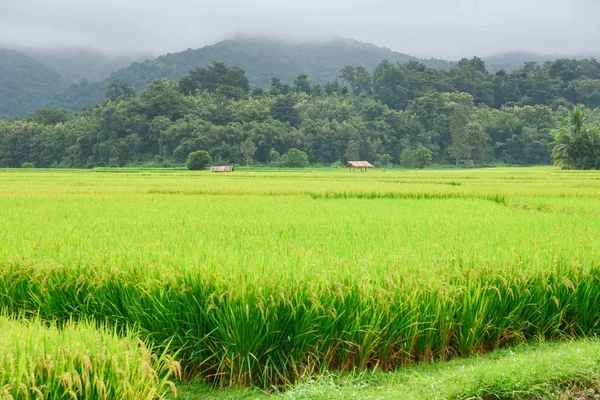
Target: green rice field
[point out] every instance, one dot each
(260, 278)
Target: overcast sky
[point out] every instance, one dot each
(439, 28)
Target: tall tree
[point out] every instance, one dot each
(302, 84)
(460, 148)
(578, 146)
(118, 90)
(352, 151)
(248, 148)
(230, 81)
(364, 82)
(348, 76)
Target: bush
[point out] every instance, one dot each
(384, 161)
(198, 160)
(274, 158)
(294, 158)
(27, 165)
(337, 164)
(420, 157)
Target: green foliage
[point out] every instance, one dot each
(352, 151)
(561, 82)
(283, 109)
(27, 165)
(257, 277)
(26, 84)
(85, 360)
(231, 82)
(248, 149)
(419, 157)
(408, 105)
(262, 59)
(302, 84)
(117, 90)
(541, 371)
(578, 146)
(294, 158)
(198, 160)
(274, 157)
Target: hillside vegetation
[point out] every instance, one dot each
(90, 73)
(262, 59)
(26, 84)
(402, 114)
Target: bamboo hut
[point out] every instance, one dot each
(362, 165)
(222, 168)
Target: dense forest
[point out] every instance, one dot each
(70, 78)
(402, 114)
(260, 58)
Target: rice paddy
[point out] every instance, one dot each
(263, 277)
(79, 361)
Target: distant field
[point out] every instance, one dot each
(260, 277)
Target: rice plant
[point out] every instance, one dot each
(79, 361)
(259, 278)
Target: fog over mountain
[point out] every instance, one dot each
(440, 28)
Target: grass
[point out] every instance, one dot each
(265, 277)
(79, 361)
(533, 371)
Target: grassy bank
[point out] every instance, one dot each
(536, 371)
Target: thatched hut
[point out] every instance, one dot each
(362, 165)
(223, 168)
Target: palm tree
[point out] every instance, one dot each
(565, 138)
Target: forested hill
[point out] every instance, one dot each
(512, 60)
(26, 84)
(402, 114)
(262, 59)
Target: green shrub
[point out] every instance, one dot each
(294, 158)
(198, 160)
(384, 161)
(27, 165)
(419, 157)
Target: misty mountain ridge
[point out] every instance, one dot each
(511, 60)
(26, 84)
(261, 58)
(76, 64)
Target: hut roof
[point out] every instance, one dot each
(223, 168)
(359, 164)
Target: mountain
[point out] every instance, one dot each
(262, 59)
(78, 64)
(515, 59)
(26, 84)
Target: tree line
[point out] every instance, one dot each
(402, 114)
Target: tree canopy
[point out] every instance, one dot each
(409, 115)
